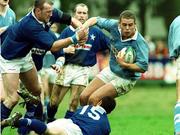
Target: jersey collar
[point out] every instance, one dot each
(71, 27)
(33, 14)
(3, 13)
(100, 109)
(132, 38)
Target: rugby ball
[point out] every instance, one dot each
(129, 54)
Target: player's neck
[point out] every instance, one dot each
(3, 9)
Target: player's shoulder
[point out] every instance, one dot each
(69, 30)
(141, 40)
(175, 22)
(177, 19)
(11, 11)
(28, 22)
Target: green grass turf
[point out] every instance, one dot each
(146, 110)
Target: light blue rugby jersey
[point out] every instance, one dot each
(138, 44)
(174, 38)
(8, 19)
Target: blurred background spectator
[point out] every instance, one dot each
(161, 50)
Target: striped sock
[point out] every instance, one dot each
(177, 117)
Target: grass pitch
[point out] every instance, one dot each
(146, 110)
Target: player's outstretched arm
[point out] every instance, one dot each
(61, 43)
(75, 23)
(90, 22)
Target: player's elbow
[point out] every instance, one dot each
(54, 47)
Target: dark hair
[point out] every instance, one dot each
(81, 5)
(108, 103)
(40, 3)
(128, 14)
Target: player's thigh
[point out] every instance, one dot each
(30, 80)
(63, 92)
(178, 78)
(10, 70)
(95, 84)
(57, 94)
(106, 90)
(76, 90)
(104, 77)
(50, 88)
(2, 93)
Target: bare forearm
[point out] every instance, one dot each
(75, 23)
(90, 22)
(59, 44)
(133, 67)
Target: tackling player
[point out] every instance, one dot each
(16, 61)
(87, 120)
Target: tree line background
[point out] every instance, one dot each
(146, 11)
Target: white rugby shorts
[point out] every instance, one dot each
(178, 68)
(19, 65)
(121, 85)
(63, 125)
(73, 74)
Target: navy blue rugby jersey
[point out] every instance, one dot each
(38, 53)
(92, 120)
(28, 32)
(86, 55)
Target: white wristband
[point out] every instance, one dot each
(59, 63)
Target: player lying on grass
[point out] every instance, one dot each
(88, 120)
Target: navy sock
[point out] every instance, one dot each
(30, 110)
(51, 111)
(68, 114)
(5, 112)
(33, 124)
(39, 112)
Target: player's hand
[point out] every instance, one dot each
(57, 68)
(83, 41)
(2, 29)
(120, 54)
(82, 34)
(120, 59)
(69, 49)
